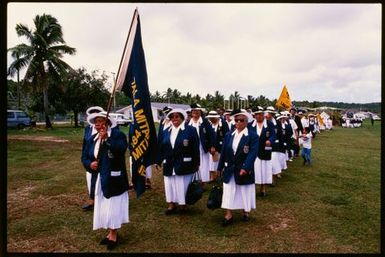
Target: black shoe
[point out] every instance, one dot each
(227, 222)
(245, 217)
(88, 207)
(262, 194)
(112, 244)
(170, 211)
(272, 184)
(104, 241)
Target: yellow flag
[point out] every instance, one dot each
(320, 121)
(284, 99)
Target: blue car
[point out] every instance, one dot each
(17, 119)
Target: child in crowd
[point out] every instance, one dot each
(306, 139)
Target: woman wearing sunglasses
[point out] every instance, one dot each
(236, 164)
(179, 153)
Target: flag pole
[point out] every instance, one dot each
(120, 65)
(116, 79)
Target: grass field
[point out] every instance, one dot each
(330, 207)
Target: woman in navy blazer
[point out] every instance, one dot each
(263, 166)
(91, 175)
(236, 163)
(206, 136)
(179, 153)
(105, 154)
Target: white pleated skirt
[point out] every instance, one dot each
(204, 167)
(276, 164)
(88, 178)
(238, 196)
(263, 170)
(282, 160)
(149, 172)
(175, 188)
(212, 164)
(112, 212)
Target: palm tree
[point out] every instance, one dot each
(42, 56)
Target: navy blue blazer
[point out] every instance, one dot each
(184, 158)
(287, 133)
(244, 158)
(86, 135)
(267, 133)
(231, 128)
(206, 135)
(219, 137)
(278, 144)
(112, 163)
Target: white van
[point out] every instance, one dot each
(17, 119)
(120, 119)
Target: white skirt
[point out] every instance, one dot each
(282, 160)
(149, 172)
(212, 164)
(112, 212)
(88, 178)
(263, 171)
(176, 187)
(276, 164)
(238, 196)
(204, 168)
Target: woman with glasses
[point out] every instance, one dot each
(179, 153)
(236, 164)
(105, 154)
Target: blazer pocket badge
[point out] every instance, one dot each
(116, 173)
(246, 149)
(185, 142)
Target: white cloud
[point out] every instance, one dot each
(321, 52)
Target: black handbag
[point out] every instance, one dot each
(194, 191)
(215, 197)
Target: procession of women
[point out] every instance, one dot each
(245, 150)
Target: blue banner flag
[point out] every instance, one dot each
(132, 80)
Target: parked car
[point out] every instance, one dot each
(120, 119)
(17, 119)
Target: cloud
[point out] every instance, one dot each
(321, 52)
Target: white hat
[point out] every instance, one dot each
(91, 118)
(196, 106)
(213, 114)
(178, 110)
(259, 109)
(94, 109)
(280, 116)
(237, 112)
(270, 109)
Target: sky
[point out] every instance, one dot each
(321, 52)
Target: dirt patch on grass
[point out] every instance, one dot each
(37, 138)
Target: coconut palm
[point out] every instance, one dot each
(42, 56)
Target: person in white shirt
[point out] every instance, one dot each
(306, 146)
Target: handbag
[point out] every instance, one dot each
(215, 197)
(194, 191)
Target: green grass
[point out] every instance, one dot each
(331, 207)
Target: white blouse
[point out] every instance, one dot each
(237, 138)
(174, 133)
